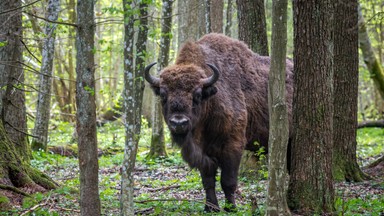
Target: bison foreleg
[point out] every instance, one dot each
(229, 173)
(209, 181)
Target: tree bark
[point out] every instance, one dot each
(252, 25)
(133, 93)
(191, 20)
(346, 81)
(311, 183)
(44, 96)
(12, 105)
(157, 142)
(228, 23)
(216, 15)
(16, 174)
(86, 113)
(373, 64)
(278, 114)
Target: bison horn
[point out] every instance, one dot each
(151, 79)
(212, 79)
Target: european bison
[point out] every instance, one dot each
(215, 104)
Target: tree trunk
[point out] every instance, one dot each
(311, 183)
(278, 114)
(373, 64)
(190, 20)
(86, 113)
(252, 25)
(44, 96)
(12, 105)
(16, 174)
(157, 142)
(133, 93)
(216, 15)
(346, 81)
(228, 23)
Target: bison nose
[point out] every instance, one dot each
(178, 124)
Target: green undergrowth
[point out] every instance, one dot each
(164, 186)
(370, 144)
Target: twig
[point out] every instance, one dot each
(144, 211)
(37, 206)
(18, 130)
(4, 12)
(66, 209)
(163, 188)
(29, 51)
(50, 21)
(14, 189)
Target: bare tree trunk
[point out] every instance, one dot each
(16, 174)
(216, 15)
(44, 96)
(191, 20)
(311, 183)
(157, 142)
(228, 23)
(12, 78)
(373, 64)
(252, 25)
(86, 113)
(278, 114)
(133, 94)
(346, 82)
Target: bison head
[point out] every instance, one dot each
(183, 89)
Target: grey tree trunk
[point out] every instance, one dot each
(157, 142)
(216, 15)
(252, 25)
(373, 64)
(44, 96)
(278, 114)
(86, 112)
(130, 150)
(228, 22)
(133, 94)
(191, 20)
(311, 184)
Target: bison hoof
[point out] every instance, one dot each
(211, 208)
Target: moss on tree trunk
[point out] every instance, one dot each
(17, 173)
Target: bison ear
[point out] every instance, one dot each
(208, 92)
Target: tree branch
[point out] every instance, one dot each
(50, 21)
(4, 12)
(364, 124)
(18, 130)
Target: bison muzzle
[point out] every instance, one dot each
(215, 103)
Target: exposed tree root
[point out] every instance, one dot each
(13, 189)
(376, 168)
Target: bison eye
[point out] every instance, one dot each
(197, 95)
(163, 96)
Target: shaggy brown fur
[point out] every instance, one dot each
(224, 118)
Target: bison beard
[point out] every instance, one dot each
(215, 104)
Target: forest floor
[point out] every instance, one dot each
(168, 187)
